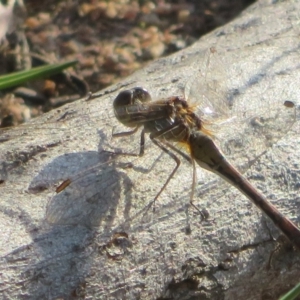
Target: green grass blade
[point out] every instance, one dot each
(292, 294)
(17, 78)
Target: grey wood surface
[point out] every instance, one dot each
(253, 61)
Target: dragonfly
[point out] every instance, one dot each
(173, 120)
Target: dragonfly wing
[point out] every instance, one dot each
(244, 111)
(208, 87)
(249, 136)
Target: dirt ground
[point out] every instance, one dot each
(110, 40)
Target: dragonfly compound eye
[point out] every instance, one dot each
(124, 98)
(141, 94)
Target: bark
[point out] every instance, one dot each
(106, 241)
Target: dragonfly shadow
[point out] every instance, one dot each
(60, 258)
(98, 199)
(92, 197)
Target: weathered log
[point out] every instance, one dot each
(107, 243)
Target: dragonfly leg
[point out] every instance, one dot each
(177, 160)
(193, 191)
(127, 133)
(181, 153)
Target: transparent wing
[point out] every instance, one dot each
(246, 115)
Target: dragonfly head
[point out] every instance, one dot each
(133, 96)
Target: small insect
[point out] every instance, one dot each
(172, 120)
(176, 121)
